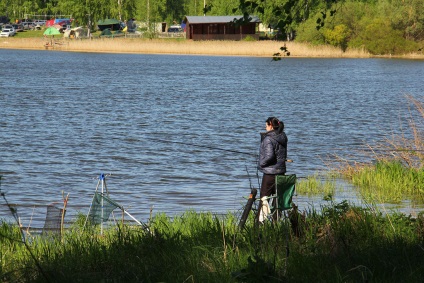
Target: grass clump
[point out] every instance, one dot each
(315, 185)
(389, 181)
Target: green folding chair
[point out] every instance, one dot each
(285, 186)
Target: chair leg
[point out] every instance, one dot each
(277, 215)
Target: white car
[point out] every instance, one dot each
(7, 32)
(11, 28)
(40, 22)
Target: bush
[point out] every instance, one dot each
(380, 38)
(307, 32)
(249, 38)
(338, 36)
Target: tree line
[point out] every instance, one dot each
(379, 26)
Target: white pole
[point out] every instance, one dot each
(138, 222)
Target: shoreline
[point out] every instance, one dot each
(188, 47)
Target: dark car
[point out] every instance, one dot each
(175, 29)
(28, 25)
(18, 27)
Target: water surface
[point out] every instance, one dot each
(157, 124)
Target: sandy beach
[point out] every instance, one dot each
(187, 47)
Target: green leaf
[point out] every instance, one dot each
(253, 5)
(278, 13)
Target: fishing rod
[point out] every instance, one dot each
(210, 147)
(204, 146)
(380, 149)
(389, 150)
(288, 160)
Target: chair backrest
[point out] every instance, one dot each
(285, 186)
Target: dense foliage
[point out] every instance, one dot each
(378, 26)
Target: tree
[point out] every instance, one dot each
(338, 36)
(380, 38)
(286, 14)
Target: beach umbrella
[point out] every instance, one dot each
(51, 31)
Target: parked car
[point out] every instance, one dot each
(28, 25)
(175, 29)
(18, 27)
(40, 22)
(6, 33)
(10, 28)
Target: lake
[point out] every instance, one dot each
(182, 132)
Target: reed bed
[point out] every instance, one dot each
(317, 185)
(390, 182)
(340, 244)
(181, 46)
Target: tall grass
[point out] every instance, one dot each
(263, 48)
(339, 244)
(390, 181)
(317, 185)
(178, 46)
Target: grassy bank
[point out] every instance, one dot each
(340, 244)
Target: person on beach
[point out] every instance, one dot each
(272, 159)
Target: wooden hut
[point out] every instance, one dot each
(220, 28)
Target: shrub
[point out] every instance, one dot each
(338, 36)
(307, 32)
(380, 38)
(249, 38)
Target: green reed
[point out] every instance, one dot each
(390, 181)
(338, 243)
(317, 185)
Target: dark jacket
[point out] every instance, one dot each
(273, 153)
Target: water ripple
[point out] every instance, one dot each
(110, 113)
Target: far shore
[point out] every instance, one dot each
(186, 47)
